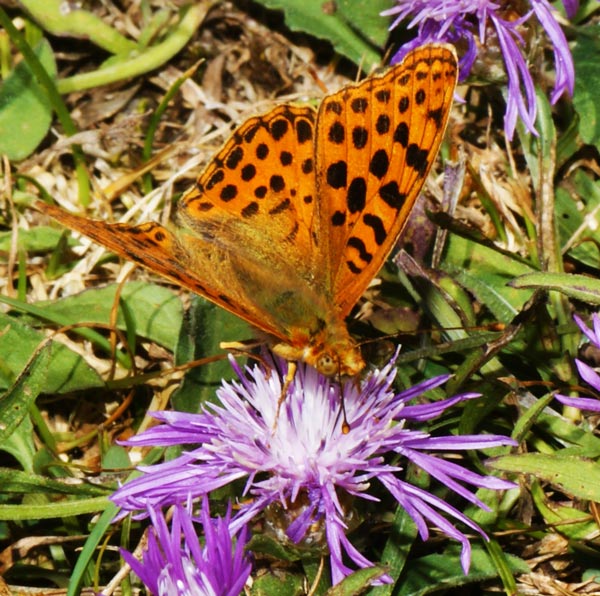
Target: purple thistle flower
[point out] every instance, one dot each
(587, 373)
(300, 459)
(472, 22)
(169, 568)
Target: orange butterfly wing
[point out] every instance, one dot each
(160, 250)
(376, 142)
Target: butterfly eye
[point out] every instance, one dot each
(327, 365)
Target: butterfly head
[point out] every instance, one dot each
(330, 350)
(335, 353)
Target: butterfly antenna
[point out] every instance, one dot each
(496, 326)
(345, 424)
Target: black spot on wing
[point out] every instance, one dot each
(437, 116)
(248, 172)
(353, 268)
(337, 133)
(262, 151)
(416, 158)
(401, 134)
(234, 158)
(216, 178)
(337, 174)
(249, 210)
(304, 131)
(356, 197)
(359, 245)
(202, 206)
(360, 137)
(359, 105)
(379, 163)
(391, 195)
(279, 128)
(338, 219)
(333, 106)
(383, 95)
(382, 124)
(228, 193)
(277, 183)
(376, 224)
(251, 132)
(280, 208)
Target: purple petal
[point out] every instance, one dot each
(565, 70)
(588, 374)
(517, 72)
(581, 403)
(571, 7)
(423, 412)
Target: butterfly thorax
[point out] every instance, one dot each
(330, 350)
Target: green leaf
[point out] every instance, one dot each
(21, 483)
(65, 370)
(575, 475)
(357, 582)
(15, 404)
(574, 218)
(364, 17)
(573, 523)
(487, 273)
(116, 458)
(205, 327)
(353, 27)
(266, 544)
(20, 444)
(587, 84)
(436, 572)
(580, 287)
(25, 110)
(154, 313)
(38, 239)
(157, 312)
(53, 510)
(269, 584)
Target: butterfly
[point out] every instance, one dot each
(292, 219)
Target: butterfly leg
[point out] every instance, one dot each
(240, 346)
(244, 348)
(289, 377)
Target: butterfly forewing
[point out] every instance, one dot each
(260, 190)
(376, 142)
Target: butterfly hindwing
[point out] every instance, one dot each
(198, 265)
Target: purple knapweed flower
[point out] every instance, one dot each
(473, 23)
(170, 568)
(302, 458)
(587, 373)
